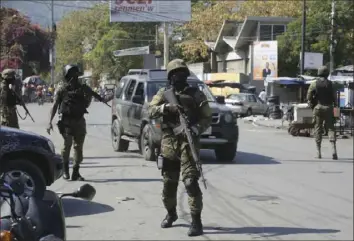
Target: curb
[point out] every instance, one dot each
(256, 123)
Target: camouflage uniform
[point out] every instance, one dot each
(176, 152)
(8, 100)
(73, 129)
(325, 98)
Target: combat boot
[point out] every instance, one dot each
(169, 219)
(196, 227)
(334, 151)
(66, 174)
(318, 149)
(76, 174)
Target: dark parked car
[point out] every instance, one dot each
(28, 161)
(130, 120)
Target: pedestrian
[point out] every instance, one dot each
(321, 97)
(8, 99)
(175, 150)
(72, 99)
(263, 95)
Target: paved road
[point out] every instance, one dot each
(275, 189)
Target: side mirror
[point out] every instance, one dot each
(138, 99)
(86, 192)
(220, 99)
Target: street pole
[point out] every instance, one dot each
(303, 37)
(165, 44)
(332, 36)
(52, 47)
(156, 45)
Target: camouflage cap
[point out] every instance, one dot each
(8, 74)
(176, 64)
(323, 71)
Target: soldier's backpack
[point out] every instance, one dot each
(74, 102)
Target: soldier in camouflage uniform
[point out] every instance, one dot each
(8, 99)
(322, 96)
(175, 149)
(72, 99)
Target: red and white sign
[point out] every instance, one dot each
(150, 10)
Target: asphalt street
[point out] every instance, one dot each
(275, 189)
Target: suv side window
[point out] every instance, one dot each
(140, 90)
(130, 89)
(120, 87)
(251, 98)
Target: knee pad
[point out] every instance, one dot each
(192, 187)
(170, 165)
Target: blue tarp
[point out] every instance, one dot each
(290, 82)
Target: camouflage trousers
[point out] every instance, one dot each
(8, 117)
(178, 160)
(323, 115)
(74, 133)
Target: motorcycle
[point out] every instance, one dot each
(31, 219)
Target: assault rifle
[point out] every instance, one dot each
(170, 96)
(22, 103)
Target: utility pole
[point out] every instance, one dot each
(166, 44)
(332, 47)
(303, 37)
(157, 58)
(52, 47)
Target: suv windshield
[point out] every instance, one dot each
(153, 87)
(240, 98)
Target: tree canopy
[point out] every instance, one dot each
(87, 37)
(23, 44)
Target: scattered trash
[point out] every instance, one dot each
(124, 199)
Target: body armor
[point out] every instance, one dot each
(324, 92)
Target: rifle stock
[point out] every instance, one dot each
(22, 103)
(171, 98)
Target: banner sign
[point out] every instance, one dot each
(150, 10)
(132, 51)
(265, 59)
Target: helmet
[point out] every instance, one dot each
(8, 74)
(70, 68)
(176, 64)
(323, 71)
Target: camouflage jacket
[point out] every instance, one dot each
(157, 104)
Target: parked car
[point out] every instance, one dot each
(28, 161)
(246, 104)
(130, 119)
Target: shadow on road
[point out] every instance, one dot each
(264, 231)
(114, 157)
(125, 180)
(73, 226)
(78, 207)
(242, 158)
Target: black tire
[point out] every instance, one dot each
(226, 152)
(249, 112)
(119, 144)
(146, 144)
(26, 167)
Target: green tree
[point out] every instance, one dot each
(318, 29)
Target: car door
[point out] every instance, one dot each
(262, 105)
(253, 104)
(127, 104)
(117, 100)
(135, 113)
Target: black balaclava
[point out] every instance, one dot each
(178, 79)
(72, 77)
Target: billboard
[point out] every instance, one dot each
(312, 60)
(150, 10)
(132, 51)
(265, 59)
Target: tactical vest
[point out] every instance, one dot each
(190, 106)
(324, 92)
(74, 103)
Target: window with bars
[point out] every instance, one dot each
(269, 32)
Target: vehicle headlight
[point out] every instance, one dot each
(51, 146)
(228, 118)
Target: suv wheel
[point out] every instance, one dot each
(119, 145)
(226, 152)
(25, 178)
(146, 144)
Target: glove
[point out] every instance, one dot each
(171, 108)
